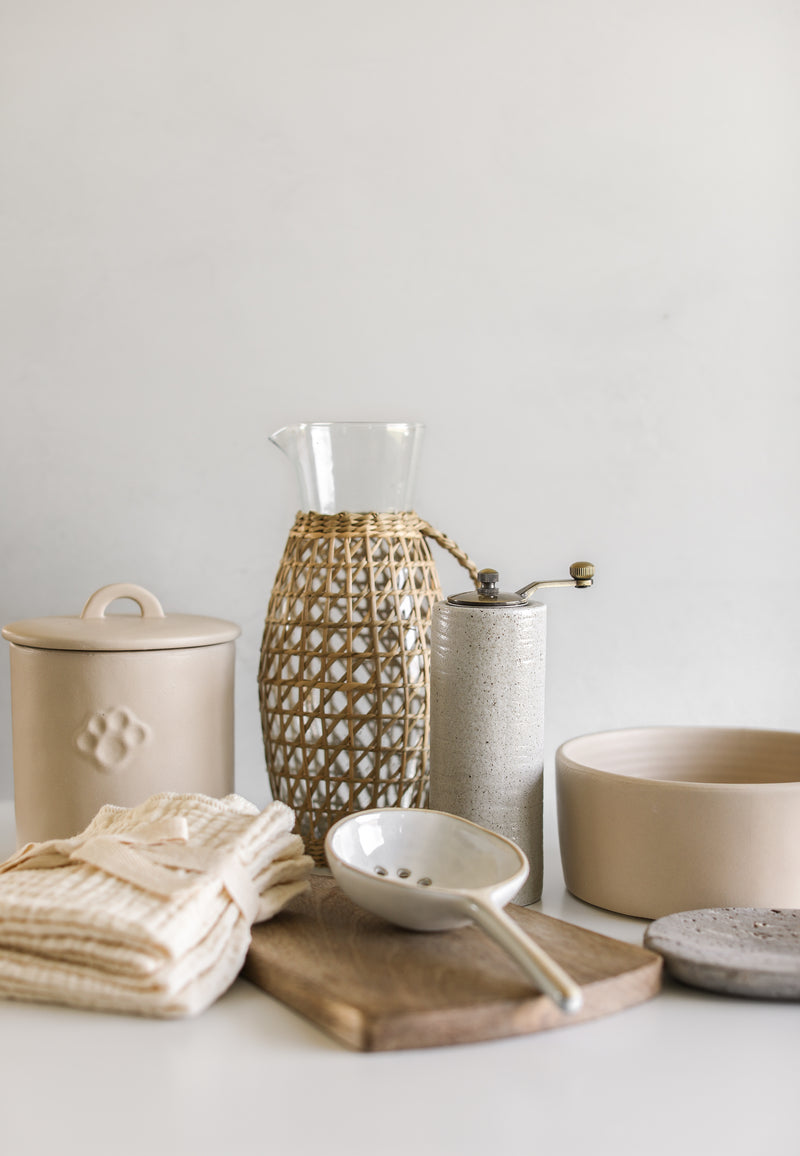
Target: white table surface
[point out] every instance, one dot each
(684, 1073)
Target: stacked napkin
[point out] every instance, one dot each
(149, 909)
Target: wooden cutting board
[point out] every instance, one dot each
(377, 987)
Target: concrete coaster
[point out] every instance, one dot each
(749, 951)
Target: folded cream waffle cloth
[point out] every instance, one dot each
(149, 909)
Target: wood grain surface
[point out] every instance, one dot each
(377, 987)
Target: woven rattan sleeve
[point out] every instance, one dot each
(344, 671)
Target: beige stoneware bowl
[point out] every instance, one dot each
(663, 819)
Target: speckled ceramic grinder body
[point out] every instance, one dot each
(487, 722)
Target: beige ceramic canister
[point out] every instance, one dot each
(112, 708)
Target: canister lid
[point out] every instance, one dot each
(93, 629)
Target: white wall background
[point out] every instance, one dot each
(564, 235)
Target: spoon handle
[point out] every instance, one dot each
(538, 966)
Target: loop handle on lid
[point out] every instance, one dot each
(102, 599)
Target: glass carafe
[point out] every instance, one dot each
(344, 671)
(352, 465)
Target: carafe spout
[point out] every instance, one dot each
(286, 438)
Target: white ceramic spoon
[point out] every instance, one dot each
(431, 871)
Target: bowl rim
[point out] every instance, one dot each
(565, 762)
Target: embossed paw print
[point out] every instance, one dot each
(110, 737)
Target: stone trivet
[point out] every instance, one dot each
(749, 951)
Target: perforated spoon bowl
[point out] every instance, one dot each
(431, 871)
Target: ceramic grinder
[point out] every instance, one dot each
(487, 710)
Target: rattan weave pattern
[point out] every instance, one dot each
(344, 671)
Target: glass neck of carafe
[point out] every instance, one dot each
(359, 467)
